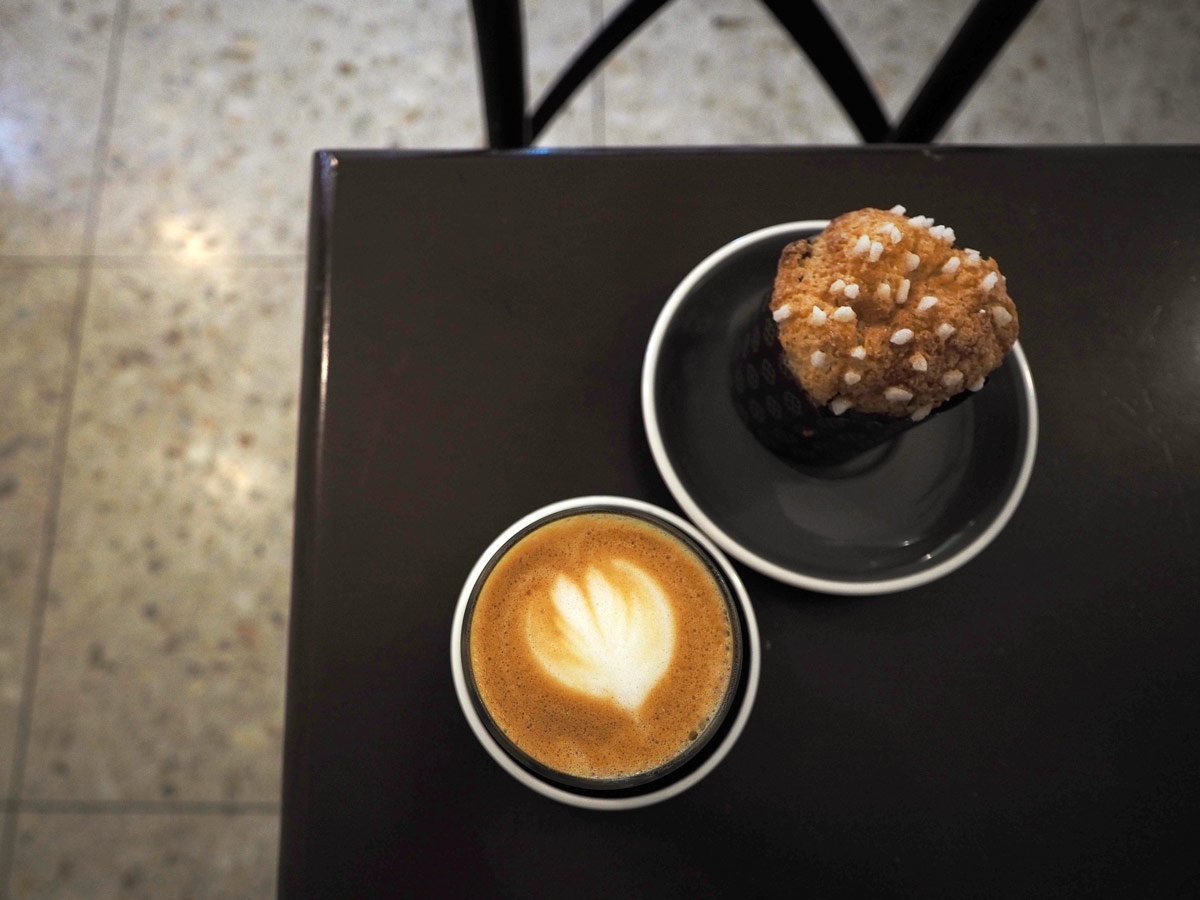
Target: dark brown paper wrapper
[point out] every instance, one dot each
(780, 414)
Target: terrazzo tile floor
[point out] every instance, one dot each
(154, 157)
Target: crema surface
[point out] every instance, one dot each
(601, 645)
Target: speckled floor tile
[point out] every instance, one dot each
(897, 42)
(554, 31)
(716, 72)
(35, 318)
(221, 105)
(1036, 90)
(161, 668)
(724, 71)
(1145, 57)
(188, 857)
(52, 61)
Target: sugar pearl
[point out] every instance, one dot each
(951, 265)
(945, 330)
(918, 363)
(839, 405)
(989, 281)
(921, 412)
(897, 395)
(818, 316)
(782, 313)
(926, 303)
(902, 292)
(851, 291)
(1001, 315)
(859, 352)
(894, 233)
(903, 336)
(884, 291)
(851, 377)
(972, 257)
(898, 210)
(953, 378)
(844, 314)
(819, 359)
(876, 251)
(911, 261)
(837, 287)
(862, 245)
(920, 221)
(976, 385)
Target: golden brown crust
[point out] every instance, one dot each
(821, 348)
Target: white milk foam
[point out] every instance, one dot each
(613, 639)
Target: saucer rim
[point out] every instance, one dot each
(744, 554)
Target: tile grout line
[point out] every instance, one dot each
(151, 807)
(1089, 75)
(59, 453)
(162, 259)
(49, 260)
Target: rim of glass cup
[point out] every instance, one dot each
(607, 786)
(646, 788)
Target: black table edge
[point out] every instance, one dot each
(313, 382)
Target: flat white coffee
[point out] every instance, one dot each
(601, 645)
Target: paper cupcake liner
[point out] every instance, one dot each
(778, 411)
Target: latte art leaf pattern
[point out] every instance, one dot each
(611, 639)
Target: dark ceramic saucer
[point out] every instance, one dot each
(897, 517)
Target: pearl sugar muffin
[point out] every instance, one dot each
(873, 325)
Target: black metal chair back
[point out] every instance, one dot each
(979, 39)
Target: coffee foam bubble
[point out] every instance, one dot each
(611, 638)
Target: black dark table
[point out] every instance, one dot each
(1027, 726)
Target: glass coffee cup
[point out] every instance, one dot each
(605, 653)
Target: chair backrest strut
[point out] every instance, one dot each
(979, 39)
